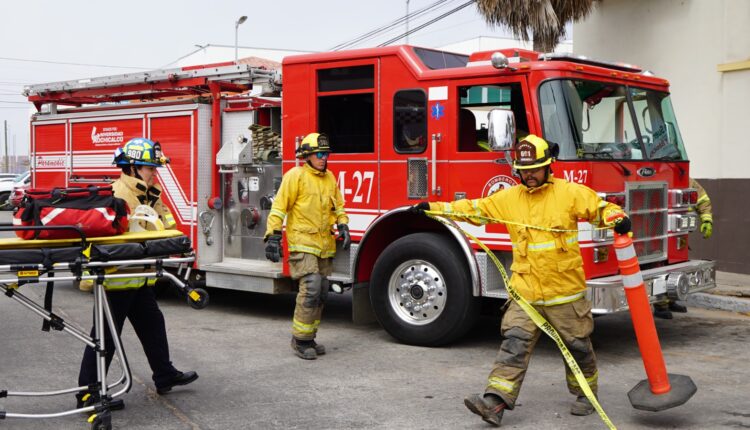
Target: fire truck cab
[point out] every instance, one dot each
(409, 124)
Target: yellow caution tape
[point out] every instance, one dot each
(538, 319)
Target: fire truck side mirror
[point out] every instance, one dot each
(502, 129)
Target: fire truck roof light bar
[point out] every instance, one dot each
(237, 73)
(564, 56)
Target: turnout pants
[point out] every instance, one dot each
(140, 307)
(311, 271)
(574, 323)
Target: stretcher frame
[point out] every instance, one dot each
(13, 276)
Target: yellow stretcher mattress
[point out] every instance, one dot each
(128, 237)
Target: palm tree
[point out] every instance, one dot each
(545, 19)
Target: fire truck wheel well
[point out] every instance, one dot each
(393, 226)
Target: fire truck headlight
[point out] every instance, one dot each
(677, 286)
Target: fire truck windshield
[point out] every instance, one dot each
(608, 121)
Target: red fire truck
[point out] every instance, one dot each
(406, 124)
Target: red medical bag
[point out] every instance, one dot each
(95, 210)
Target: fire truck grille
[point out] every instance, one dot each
(417, 186)
(648, 211)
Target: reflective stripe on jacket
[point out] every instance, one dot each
(547, 266)
(135, 192)
(311, 203)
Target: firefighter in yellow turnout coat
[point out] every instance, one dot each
(547, 271)
(133, 298)
(312, 204)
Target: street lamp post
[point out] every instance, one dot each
(242, 19)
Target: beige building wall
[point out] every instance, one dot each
(703, 48)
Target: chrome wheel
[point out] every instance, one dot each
(416, 292)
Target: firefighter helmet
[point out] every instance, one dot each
(140, 152)
(144, 218)
(312, 143)
(533, 152)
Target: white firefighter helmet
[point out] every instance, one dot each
(145, 218)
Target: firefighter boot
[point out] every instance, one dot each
(676, 307)
(489, 407)
(319, 348)
(581, 407)
(304, 349)
(181, 378)
(661, 310)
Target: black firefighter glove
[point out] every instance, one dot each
(273, 246)
(344, 236)
(419, 208)
(622, 225)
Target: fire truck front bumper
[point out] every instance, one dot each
(674, 282)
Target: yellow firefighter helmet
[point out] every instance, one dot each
(533, 152)
(312, 143)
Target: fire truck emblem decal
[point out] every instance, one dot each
(438, 111)
(497, 183)
(646, 172)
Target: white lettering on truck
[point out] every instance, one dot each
(363, 189)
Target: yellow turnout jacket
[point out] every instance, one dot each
(312, 203)
(135, 192)
(547, 266)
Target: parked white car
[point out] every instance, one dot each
(20, 180)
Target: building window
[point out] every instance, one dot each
(410, 121)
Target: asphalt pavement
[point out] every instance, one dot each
(249, 378)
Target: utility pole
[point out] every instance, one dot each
(407, 22)
(6, 145)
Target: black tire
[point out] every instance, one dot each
(437, 306)
(4, 202)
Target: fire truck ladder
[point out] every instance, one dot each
(211, 79)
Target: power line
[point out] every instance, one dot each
(434, 20)
(384, 28)
(28, 60)
(8, 101)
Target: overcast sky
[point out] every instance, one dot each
(121, 36)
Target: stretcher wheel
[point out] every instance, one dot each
(197, 298)
(101, 421)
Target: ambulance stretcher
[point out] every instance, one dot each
(145, 254)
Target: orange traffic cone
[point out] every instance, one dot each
(661, 390)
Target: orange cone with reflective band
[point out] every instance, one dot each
(661, 390)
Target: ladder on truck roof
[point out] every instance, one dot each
(210, 79)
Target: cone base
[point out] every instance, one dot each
(682, 389)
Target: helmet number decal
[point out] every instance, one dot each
(135, 154)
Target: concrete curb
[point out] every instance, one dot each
(713, 301)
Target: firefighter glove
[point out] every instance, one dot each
(420, 207)
(622, 225)
(344, 236)
(707, 228)
(273, 246)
